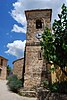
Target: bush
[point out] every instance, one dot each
(14, 83)
(54, 87)
(45, 83)
(59, 87)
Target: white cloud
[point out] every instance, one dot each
(21, 5)
(16, 28)
(16, 48)
(19, 17)
(17, 13)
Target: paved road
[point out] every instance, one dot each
(5, 94)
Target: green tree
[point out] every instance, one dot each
(9, 70)
(55, 44)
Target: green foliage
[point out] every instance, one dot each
(47, 45)
(52, 69)
(54, 87)
(55, 44)
(14, 83)
(59, 87)
(45, 83)
(9, 70)
(60, 34)
(12, 78)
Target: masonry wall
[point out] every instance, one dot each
(32, 16)
(35, 67)
(3, 69)
(18, 68)
(44, 94)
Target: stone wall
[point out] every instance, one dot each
(18, 67)
(32, 16)
(3, 68)
(35, 68)
(43, 94)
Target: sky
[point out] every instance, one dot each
(13, 24)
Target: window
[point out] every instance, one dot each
(40, 55)
(1, 61)
(38, 24)
(0, 72)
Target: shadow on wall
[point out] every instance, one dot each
(52, 73)
(57, 75)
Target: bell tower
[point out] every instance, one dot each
(37, 20)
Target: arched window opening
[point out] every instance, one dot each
(38, 24)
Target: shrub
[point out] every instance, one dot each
(54, 87)
(14, 83)
(45, 83)
(59, 87)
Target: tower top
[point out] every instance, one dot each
(29, 13)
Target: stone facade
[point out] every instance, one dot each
(35, 67)
(18, 67)
(43, 94)
(3, 68)
(32, 16)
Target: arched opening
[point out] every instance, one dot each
(38, 24)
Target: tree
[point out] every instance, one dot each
(9, 70)
(55, 44)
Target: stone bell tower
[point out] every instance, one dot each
(37, 20)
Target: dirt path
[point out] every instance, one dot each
(5, 94)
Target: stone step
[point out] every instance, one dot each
(27, 93)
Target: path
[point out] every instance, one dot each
(5, 94)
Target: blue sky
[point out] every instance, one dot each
(13, 24)
(6, 35)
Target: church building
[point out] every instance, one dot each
(35, 68)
